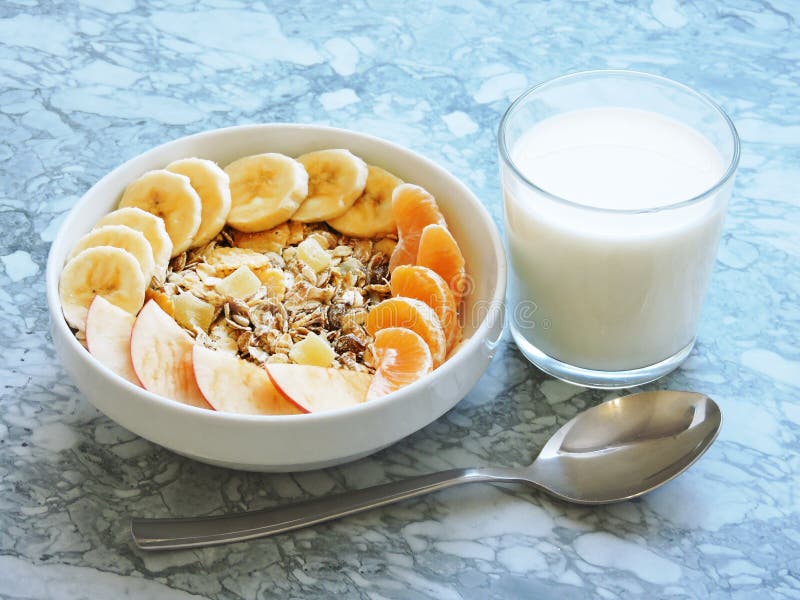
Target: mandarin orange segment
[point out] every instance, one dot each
(401, 357)
(412, 314)
(413, 208)
(424, 284)
(439, 251)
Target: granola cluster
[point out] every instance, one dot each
(297, 294)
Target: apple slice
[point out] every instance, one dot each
(317, 389)
(161, 352)
(108, 337)
(233, 385)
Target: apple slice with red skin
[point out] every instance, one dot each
(108, 337)
(319, 389)
(161, 352)
(231, 384)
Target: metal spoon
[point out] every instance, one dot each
(615, 451)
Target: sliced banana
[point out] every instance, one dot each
(106, 271)
(120, 236)
(371, 215)
(336, 178)
(212, 184)
(266, 189)
(171, 197)
(151, 226)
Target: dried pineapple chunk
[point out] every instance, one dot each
(274, 281)
(312, 350)
(191, 312)
(239, 284)
(311, 253)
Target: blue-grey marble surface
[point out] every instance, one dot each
(85, 87)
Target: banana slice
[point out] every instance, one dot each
(212, 184)
(336, 178)
(151, 227)
(120, 236)
(371, 215)
(266, 189)
(112, 273)
(171, 197)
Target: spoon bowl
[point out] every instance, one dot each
(614, 451)
(627, 446)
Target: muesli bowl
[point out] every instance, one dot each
(308, 441)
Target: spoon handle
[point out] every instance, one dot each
(165, 534)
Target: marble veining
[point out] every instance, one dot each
(85, 86)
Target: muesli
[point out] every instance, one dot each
(273, 286)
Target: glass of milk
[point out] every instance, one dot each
(615, 187)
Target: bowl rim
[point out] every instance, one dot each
(53, 272)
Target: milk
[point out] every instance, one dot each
(606, 290)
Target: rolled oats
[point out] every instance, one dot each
(293, 300)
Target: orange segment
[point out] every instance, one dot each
(412, 314)
(424, 284)
(401, 357)
(413, 209)
(439, 251)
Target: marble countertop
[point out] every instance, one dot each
(84, 88)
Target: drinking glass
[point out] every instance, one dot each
(610, 297)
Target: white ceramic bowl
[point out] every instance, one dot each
(292, 442)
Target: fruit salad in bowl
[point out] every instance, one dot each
(263, 276)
